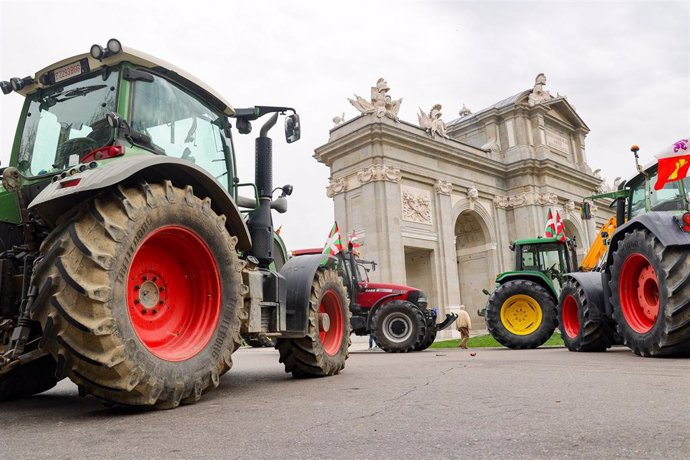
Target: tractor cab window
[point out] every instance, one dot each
(541, 257)
(638, 195)
(669, 198)
(180, 125)
(66, 122)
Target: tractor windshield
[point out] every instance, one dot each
(65, 122)
(541, 257)
(674, 196)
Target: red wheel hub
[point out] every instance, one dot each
(571, 316)
(173, 293)
(639, 293)
(331, 322)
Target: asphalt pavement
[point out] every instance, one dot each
(497, 403)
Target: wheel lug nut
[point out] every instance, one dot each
(136, 301)
(160, 302)
(137, 287)
(143, 311)
(155, 311)
(145, 278)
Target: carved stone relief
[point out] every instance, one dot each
(416, 205)
(443, 187)
(336, 186)
(525, 199)
(379, 172)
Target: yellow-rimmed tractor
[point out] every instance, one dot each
(521, 312)
(129, 261)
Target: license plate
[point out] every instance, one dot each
(63, 73)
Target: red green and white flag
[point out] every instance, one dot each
(334, 244)
(554, 226)
(674, 163)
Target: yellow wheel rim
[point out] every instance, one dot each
(521, 314)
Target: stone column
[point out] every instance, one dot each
(447, 267)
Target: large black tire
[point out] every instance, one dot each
(398, 327)
(324, 350)
(28, 379)
(429, 338)
(650, 294)
(578, 330)
(100, 308)
(521, 314)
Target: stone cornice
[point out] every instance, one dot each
(412, 140)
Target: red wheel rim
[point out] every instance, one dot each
(639, 293)
(331, 322)
(570, 316)
(173, 293)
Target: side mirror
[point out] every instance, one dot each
(586, 212)
(292, 128)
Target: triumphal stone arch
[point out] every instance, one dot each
(437, 204)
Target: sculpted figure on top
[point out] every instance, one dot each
(382, 105)
(432, 123)
(539, 94)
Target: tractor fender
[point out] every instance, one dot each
(384, 300)
(660, 223)
(299, 275)
(593, 287)
(536, 277)
(58, 198)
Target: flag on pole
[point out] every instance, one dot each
(555, 228)
(550, 230)
(334, 244)
(560, 227)
(674, 163)
(352, 243)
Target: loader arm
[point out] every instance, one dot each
(598, 248)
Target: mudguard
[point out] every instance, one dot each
(58, 197)
(659, 223)
(536, 276)
(299, 273)
(593, 287)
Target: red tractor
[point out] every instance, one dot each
(397, 316)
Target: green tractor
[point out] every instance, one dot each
(640, 296)
(521, 312)
(129, 261)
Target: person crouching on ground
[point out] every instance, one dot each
(463, 324)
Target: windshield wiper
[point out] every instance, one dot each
(76, 92)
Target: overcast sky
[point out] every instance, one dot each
(625, 66)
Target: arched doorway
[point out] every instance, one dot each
(474, 251)
(571, 231)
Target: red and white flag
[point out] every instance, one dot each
(555, 226)
(333, 245)
(674, 163)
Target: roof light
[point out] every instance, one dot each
(97, 52)
(19, 83)
(113, 47)
(6, 87)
